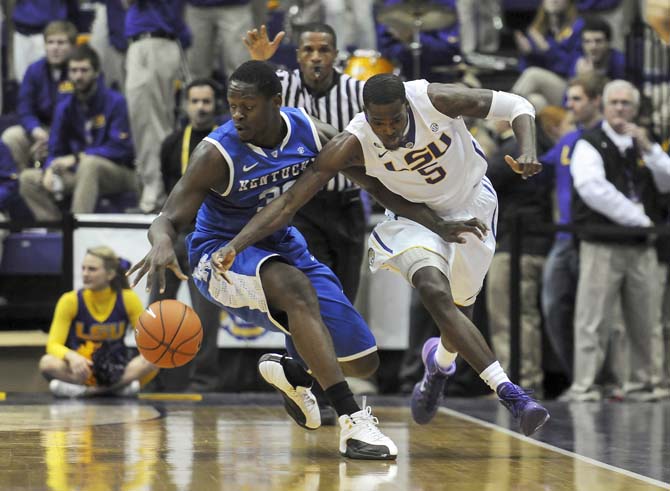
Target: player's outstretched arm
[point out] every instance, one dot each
(337, 155)
(455, 101)
(450, 231)
(205, 167)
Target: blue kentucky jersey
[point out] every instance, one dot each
(257, 175)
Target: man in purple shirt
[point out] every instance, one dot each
(43, 85)
(90, 148)
(597, 53)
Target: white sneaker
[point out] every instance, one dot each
(59, 388)
(361, 439)
(299, 401)
(130, 390)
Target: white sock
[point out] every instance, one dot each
(444, 358)
(494, 375)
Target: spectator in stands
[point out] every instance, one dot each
(528, 199)
(617, 13)
(549, 49)
(90, 147)
(86, 353)
(617, 173)
(353, 22)
(156, 33)
(217, 27)
(597, 53)
(44, 83)
(561, 270)
(203, 106)
(481, 23)
(30, 18)
(108, 39)
(438, 48)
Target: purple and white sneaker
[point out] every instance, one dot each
(531, 414)
(427, 394)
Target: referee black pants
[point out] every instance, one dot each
(334, 225)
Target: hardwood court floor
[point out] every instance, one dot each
(240, 443)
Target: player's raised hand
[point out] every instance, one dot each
(158, 259)
(222, 260)
(259, 45)
(524, 165)
(451, 231)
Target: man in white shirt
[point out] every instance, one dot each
(617, 174)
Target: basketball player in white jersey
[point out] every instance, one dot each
(411, 139)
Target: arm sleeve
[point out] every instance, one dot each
(133, 305)
(588, 174)
(66, 310)
(508, 106)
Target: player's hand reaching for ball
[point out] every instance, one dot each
(451, 231)
(159, 258)
(524, 165)
(222, 260)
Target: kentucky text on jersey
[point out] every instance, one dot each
(272, 177)
(257, 175)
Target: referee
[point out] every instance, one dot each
(333, 222)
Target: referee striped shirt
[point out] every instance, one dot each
(337, 107)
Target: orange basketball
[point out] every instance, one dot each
(168, 333)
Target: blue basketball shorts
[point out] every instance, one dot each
(245, 298)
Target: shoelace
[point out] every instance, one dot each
(369, 423)
(428, 392)
(517, 394)
(304, 395)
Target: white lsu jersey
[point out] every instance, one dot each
(440, 164)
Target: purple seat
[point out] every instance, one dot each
(32, 253)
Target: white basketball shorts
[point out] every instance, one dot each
(404, 246)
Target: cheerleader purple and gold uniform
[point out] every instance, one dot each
(93, 324)
(86, 354)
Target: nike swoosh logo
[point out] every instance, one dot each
(151, 313)
(248, 168)
(381, 155)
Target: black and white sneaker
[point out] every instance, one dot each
(361, 439)
(299, 401)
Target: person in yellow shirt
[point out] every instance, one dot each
(86, 354)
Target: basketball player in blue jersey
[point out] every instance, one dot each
(411, 139)
(239, 169)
